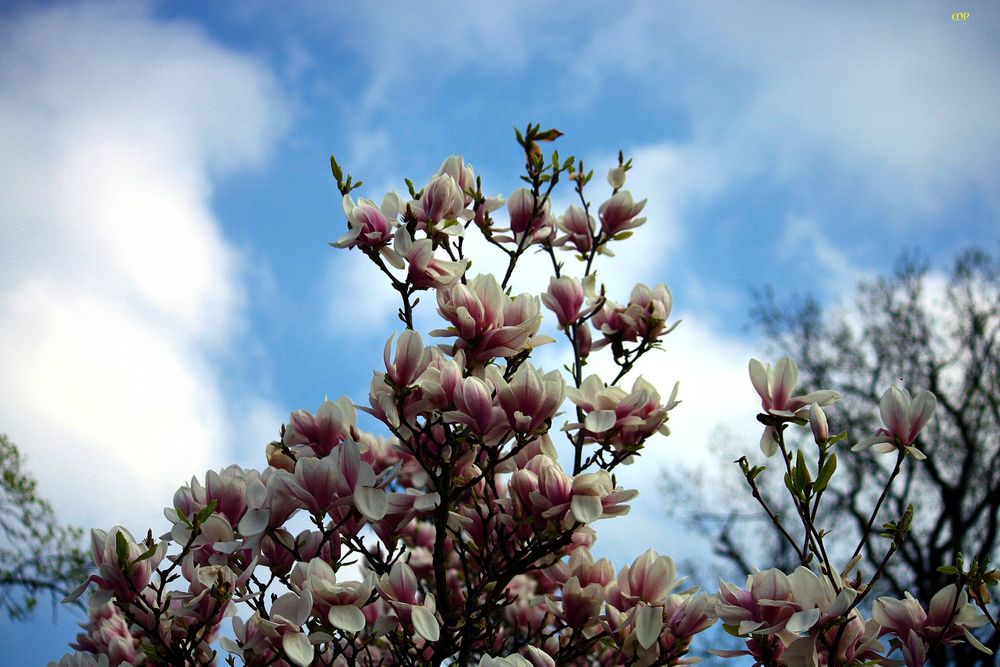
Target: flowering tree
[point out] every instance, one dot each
(471, 541)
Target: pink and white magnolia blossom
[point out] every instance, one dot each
(424, 270)
(339, 603)
(476, 409)
(462, 173)
(521, 205)
(595, 497)
(578, 228)
(618, 213)
(648, 311)
(106, 633)
(400, 591)
(442, 200)
(581, 604)
(904, 419)
(288, 614)
(331, 425)
(488, 322)
(368, 224)
(625, 420)
(336, 484)
(531, 399)
(410, 361)
(949, 618)
(616, 177)
(564, 298)
(797, 617)
(775, 387)
(123, 578)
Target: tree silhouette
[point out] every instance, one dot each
(38, 556)
(916, 329)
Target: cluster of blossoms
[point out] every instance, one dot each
(459, 537)
(806, 619)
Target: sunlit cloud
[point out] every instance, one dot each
(119, 289)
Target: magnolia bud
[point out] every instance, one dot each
(817, 421)
(616, 177)
(584, 340)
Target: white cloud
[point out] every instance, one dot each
(830, 268)
(898, 97)
(117, 282)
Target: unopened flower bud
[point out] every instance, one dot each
(818, 423)
(616, 177)
(584, 340)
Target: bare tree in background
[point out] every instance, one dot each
(38, 556)
(920, 331)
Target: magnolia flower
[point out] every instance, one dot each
(369, 225)
(473, 309)
(764, 607)
(647, 312)
(595, 497)
(904, 419)
(426, 271)
(288, 613)
(618, 213)
(461, 173)
(330, 426)
(564, 298)
(340, 603)
(649, 579)
(579, 229)
(520, 206)
(818, 423)
(412, 359)
(775, 387)
(623, 420)
(531, 399)
(336, 483)
(581, 604)
(487, 321)
(124, 566)
(949, 617)
(399, 590)
(107, 635)
(442, 199)
(474, 407)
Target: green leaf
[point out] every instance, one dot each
(205, 513)
(146, 554)
(826, 473)
(790, 485)
(121, 549)
(621, 236)
(734, 630)
(335, 168)
(949, 570)
(833, 439)
(802, 475)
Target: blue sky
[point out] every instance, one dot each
(166, 288)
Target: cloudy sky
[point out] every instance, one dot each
(167, 294)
